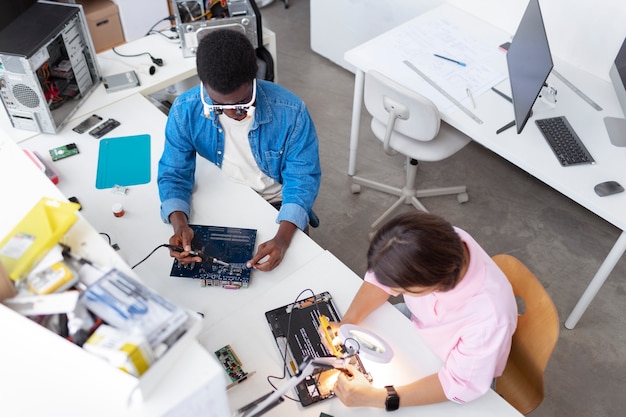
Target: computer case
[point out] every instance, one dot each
(194, 18)
(48, 66)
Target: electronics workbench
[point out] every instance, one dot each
(73, 382)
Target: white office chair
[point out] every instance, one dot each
(408, 123)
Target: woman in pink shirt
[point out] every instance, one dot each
(457, 298)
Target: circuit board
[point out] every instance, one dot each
(231, 364)
(229, 244)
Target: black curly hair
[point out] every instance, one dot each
(225, 60)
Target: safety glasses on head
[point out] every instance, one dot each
(241, 109)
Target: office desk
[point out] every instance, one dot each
(248, 333)
(46, 374)
(529, 151)
(216, 201)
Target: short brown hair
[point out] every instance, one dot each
(417, 249)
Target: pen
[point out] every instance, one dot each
(463, 64)
(469, 94)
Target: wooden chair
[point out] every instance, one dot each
(522, 383)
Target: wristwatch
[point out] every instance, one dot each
(392, 402)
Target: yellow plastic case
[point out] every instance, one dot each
(41, 229)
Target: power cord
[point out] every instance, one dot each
(156, 61)
(164, 245)
(171, 18)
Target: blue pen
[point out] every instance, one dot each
(463, 64)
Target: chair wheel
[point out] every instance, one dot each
(355, 188)
(462, 198)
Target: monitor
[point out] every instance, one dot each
(529, 63)
(616, 126)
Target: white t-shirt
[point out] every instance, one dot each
(239, 164)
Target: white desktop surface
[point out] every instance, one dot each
(528, 150)
(248, 333)
(216, 201)
(44, 373)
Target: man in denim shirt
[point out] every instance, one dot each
(257, 132)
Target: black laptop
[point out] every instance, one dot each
(295, 329)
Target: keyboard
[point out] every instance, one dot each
(564, 141)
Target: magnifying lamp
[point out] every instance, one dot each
(366, 344)
(351, 340)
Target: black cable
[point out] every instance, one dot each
(156, 61)
(149, 255)
(170, 18)
(108, 237)
(284, 353)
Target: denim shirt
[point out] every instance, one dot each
(282, 138)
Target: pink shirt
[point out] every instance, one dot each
(469, 327)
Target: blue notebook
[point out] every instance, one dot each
(123, 161)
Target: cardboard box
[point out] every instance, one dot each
(104, 23)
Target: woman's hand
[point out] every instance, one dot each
(355, 390)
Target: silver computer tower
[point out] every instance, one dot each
(48, 66)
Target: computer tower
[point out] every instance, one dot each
(48, 66)
(195, 18)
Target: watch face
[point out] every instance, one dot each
(393, 401)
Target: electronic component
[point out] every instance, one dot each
(233, 245)
(104, 128)
(64, 151)
(121, 81)
(232, 365)
(87, 124)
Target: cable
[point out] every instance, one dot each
(156, 61)
(149, 255)
(170, 18)
(284, 352)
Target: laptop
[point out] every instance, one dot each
(295, 329)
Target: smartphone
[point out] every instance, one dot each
(87, 124)
(505, 46)
(64, 151)
(104, 128)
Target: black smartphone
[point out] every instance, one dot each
(87, 124)
(104, 128)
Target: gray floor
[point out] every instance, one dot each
(508, 212)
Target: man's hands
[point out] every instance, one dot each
(183, 234)
(271, 253)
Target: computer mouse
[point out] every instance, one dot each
(607, 188)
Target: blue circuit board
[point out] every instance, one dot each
(229, 244)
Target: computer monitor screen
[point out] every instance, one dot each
(616, 126)
(529, 63)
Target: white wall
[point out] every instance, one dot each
(586, 33)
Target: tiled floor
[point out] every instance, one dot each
(509, 211)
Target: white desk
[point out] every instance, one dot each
(216, 201)
(528, 150)
(253, 342)
(45, 374)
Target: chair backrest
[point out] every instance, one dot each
(418, 118)
(522, 383)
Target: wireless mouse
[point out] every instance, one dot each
(607, 188)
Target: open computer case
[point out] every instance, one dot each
(48, 65)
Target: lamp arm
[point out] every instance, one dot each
(265, 403)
